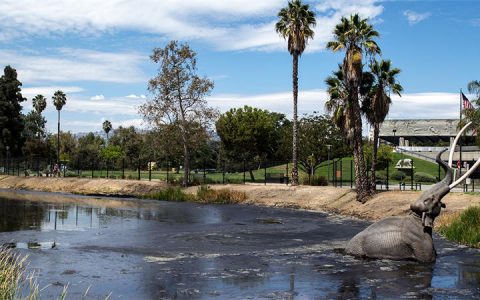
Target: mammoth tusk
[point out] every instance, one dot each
(470, 171)
(454, 144)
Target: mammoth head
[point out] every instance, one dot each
(429, 204)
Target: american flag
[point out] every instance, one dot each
(466, 103)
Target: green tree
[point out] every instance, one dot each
(130, 142)
(250, 134)
(59, 100)
(107, 126)
(89, 149)
(39, 103)
(179, 96)
(112, 152)
(356, 37)
(377, 105)
(11, 120)
(316, 132)
(295, 25)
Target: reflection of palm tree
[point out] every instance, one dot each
(59, 100)
(356, 37)
(294, 24)
(377, 105)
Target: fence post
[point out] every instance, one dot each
(351, 174)
(123, 167)
(223, 172)
(286, 177)
(139, 168)
(265, 172)
(64, 169)
(341, 172)
(244, 171)
(411, 178)
(168, 167)
(204, 172)
(150, 169)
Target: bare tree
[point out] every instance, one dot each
(179, 96)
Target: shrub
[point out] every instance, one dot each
(222, 196)
(314, 180)
(71, 174)
(424, 177)
(398, 175)
(465, 228)
(171, 194)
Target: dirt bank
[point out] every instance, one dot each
(330, 199)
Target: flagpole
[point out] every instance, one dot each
(460, 139)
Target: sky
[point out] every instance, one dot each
(97, 52)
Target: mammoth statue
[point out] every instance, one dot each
(409, 237)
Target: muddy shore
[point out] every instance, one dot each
(327, 199)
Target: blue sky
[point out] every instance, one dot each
(98, 53)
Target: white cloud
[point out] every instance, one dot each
(48, 91)
(415, 17)
(228, 25)
(133, 96)
(69, 65)
(98, 97)
(409, 106)
(82, 114)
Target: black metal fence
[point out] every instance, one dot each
(338, 173)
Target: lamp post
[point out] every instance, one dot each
(328, 176)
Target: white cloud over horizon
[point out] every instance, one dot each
(227, 25)
(82, 114)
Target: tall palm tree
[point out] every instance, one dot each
(356, 36)
(39, 103)
(107, 126)
(59, 100)
(295, 25)
(377, 104)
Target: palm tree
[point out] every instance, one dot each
(59, 100)
(377, 105)
(107, 126)
(39, 103)
(294, 25)
(355, 36)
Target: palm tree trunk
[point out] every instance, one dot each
(373, 179)
(295, 125)
(58, 140)
(361, 180)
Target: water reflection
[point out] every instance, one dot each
(18, 215)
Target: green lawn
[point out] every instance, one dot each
(345, 165)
